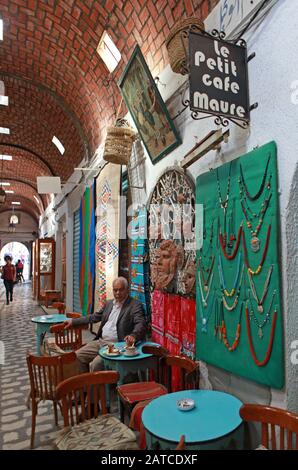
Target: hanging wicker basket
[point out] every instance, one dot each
(177, 45)
(118, 144)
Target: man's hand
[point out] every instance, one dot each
(67, 324)
(130, 340)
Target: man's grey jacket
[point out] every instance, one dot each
(131, 320)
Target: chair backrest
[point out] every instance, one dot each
(80, 395)
(68, 339)
(74, 315)
(270, 418)
(160, 353)
(181, 443)
(45, 372)
(60, 306)
(188, 369)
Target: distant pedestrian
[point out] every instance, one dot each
(9, 278)
(20, 268)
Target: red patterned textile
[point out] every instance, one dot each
(158, 317)
(188, 327)
(140, 391)
(172, 309)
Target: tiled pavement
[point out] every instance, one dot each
(18, 336)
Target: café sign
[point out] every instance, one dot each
(218, 77)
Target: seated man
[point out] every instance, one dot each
(122, 319)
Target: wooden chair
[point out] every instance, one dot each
(70, 339)
(189, 372)
(181, 443)
(133, 393)
(270, 417)
(79, 397)
(60, 306)
(45, 372)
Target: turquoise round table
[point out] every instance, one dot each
(128, 364)
(214, 422)
(43, 324)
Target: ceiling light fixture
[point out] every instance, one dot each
(4, 130)
(3, 100)
(6, 157)
(16, 203)
(2, 192)
(9, 191)
(58, 144)
(36, 199)
(1, 182)
(1, 30)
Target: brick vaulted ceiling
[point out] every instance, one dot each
(54, 77)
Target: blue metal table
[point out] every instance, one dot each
(43, 324)
(214, 423)
(128, 364)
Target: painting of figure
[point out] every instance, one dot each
(147, 108)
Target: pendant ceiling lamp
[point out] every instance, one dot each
(2, 192)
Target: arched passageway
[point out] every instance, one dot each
(17, 251)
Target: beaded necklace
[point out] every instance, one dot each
(223, 244)
(204, 299)
(266, 319)
(224, 202)
(232, 307)
(259, 268)
(270, 345)
(261, 188)
(265, 289)
(255, 242)
(222, 279)
(225, 341)
(208, 270)
(205, 320)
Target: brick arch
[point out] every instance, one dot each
(26, 190)
(26, 203)
(54, 44)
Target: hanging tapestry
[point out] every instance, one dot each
(87, 250)
(107, 232)
(239, 308)
(172, 317)
(171, 234)
(139, 285)
(188, 327)
(158, 317)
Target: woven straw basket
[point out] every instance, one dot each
(176, 45)
(118, 145)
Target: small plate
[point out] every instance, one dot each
(49, 317)
(185, 404)
(114, 353)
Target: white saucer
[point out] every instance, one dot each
(115, 353)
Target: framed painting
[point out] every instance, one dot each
(147, 108)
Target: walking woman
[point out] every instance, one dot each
(9, 277)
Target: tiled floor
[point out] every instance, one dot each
(18, 336)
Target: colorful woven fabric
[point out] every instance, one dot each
(188, 327)
(174, 348)
(141, 391)
(158, 317)
(172, 307)
(87, 243)
(107, 232)
(139, 287)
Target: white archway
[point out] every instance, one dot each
(17, 251)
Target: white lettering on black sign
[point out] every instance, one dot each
(218, 77)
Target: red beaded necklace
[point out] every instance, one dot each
(223, 244)
(259, 268)
(251, 346)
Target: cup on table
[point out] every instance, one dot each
(110, 348)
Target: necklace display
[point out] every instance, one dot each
(232, 307)
(231, 229)
(205, 320)
(259, 268)
(208, 270)
(261, 188)
(204, 299)
(270, 345)
(224, 202)
(222, 279)
(260, 302)
(225, 341)
(222, 239)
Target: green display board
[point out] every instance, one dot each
(239, 314)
